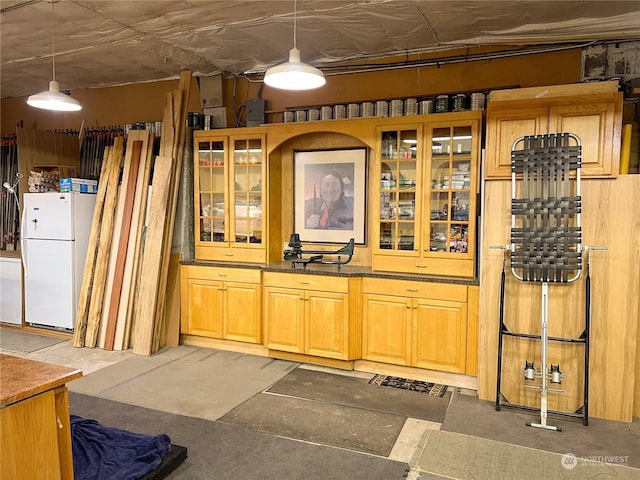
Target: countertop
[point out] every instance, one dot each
(345, 271)
(21, 378)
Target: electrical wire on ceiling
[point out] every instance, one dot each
(331, 70)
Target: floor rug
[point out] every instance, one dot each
(12, 340)
(463, 457)
(605, 438)
(217, 381)
(352, 391)
(221, 451)
(319, 422)
(433, 389)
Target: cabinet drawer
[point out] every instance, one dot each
(307, 282)
(406, 288)
(238, 254)
(451, 267)
(204, 272)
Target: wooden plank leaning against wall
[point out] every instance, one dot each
(609, 219)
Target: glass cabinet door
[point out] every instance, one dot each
(246, 212)
(450, 190)
(212, 191)
(398, 181)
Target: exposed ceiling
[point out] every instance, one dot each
(114, 42)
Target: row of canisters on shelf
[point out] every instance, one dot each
(390, 108)
(154, 127)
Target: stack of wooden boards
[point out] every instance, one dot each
(122, 299)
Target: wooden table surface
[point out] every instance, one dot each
(22, 378)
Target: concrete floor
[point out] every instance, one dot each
(495, 444)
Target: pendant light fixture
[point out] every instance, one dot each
(54, 99)
(294, 75)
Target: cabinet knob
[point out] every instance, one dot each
(408, 306)
(301, 298)
(415, 307)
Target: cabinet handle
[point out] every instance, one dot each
(228, 254)
(421, 266)
(223, 274)
(304, 283)
(412, 289)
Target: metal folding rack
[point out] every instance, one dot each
(546, 247)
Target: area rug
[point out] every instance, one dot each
(464, 457)
(221, 451)
(357, 392)
(432, 389)
(12, 340)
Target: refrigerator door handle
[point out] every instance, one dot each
(22, 243)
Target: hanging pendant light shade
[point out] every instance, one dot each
(54, 99)
(294, 75)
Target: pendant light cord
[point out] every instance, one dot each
(53, 39)
(295, 10)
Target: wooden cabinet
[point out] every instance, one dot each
(591, 111)
(310, 314)
(415, 324)
(230, 196)
(221, 303)
(425, 178)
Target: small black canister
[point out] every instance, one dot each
(194, 120)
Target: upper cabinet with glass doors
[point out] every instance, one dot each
(427, 189)
(229, 200)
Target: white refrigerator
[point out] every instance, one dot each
(55, 232)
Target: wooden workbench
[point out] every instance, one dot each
(35, 431)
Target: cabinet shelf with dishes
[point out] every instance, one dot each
(427, 186)
(229, 197)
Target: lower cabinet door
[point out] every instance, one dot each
(242, 307)
(284, 319)
(386, 332)
(204, 316)
(326, 326)
(440, 335)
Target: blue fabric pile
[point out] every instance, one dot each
(112, 454)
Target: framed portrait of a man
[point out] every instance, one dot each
(329, 195)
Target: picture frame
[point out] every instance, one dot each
(337, 214)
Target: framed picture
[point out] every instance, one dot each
(329, 195)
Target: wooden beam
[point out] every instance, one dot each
(134, 247)
(104, 246)
(145, 309)
(123, 241)
(89, 264)
(180, 121)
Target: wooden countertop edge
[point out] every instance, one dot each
(21, 378)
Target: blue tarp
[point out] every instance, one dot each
(105, 453)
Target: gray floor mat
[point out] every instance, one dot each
(221, 451)
(22, 342)
(319, 422)
(357, 392)
(479, 418)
